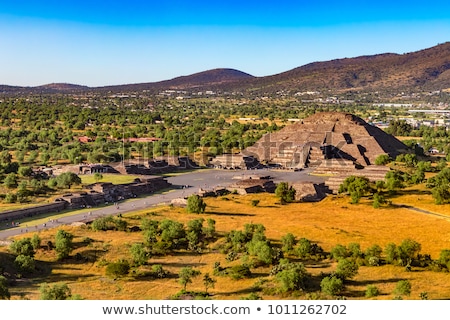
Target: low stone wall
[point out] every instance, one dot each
(12, 215)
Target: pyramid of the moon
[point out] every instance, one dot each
(323, 136)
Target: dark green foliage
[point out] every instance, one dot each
(394, 180)
(235, 272)
(117, 269)
(409, 159)
(4, 291)
(195, 204)
(25, 264)
(255, 203)
(403, 287)
(59, 291)
(288, 241)
(109, 223)
(357, 187)
(63, 244)
(208, 282)
(67, 179)
(332, 286)
(444, 258)
(159, 271)
(285, 192)
(172, 233)
(22, 246)
(372, 291)
(382, 159)
(399, 128)
(262, 250)
(139, 254)
(391, 253)
(185, 276)
(346, 269)
(306, 249)
(378, 200)
(36, 241)
(407, 251)
(339, 251)
(292, 276)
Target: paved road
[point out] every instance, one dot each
(207, 179)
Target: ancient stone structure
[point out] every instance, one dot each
(234, 161)
(256, 185)
(324, 136)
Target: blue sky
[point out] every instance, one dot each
(98, 43)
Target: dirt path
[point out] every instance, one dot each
(406, 206)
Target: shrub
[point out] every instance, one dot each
(382, 159)
(25, 263)
(195, 204)
(119, 268)
(372, 291)
(255, 203)
(403, 287)
(332, 285)
(292, 277)
(346, 269)
(56, 292)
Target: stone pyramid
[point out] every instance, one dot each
(325, 138)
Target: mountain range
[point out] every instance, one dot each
(427, 69)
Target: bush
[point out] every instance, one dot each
(255, 203)
(119, 268)
(372, 291)
(56, 292)
(332, 285)
(382, 159)
(292, 277)
(25, 263)
(403, 287)
(346, 269)
(195, 204)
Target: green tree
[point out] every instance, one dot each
(59, 291)
(67, 179)
(195, 204)
(208, 282)
(403, 287)
(346, 269)
(332, 286)
(285, 192)
(25, 171)
(10, 181)
(378, 200)
(382, 159)
(63, 244)
(4, 291)
(356, 187)
(25, 263)
(22, 246)
(185, 276)
(293, 276)
(117, 269)
(139, 254)
(407, 251)
(372, 291)
(288, 242)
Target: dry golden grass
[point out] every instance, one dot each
(330, 222)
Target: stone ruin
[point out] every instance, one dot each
(324, 136)
(332, 143)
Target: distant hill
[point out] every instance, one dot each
(210, 79)
(427, 69)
